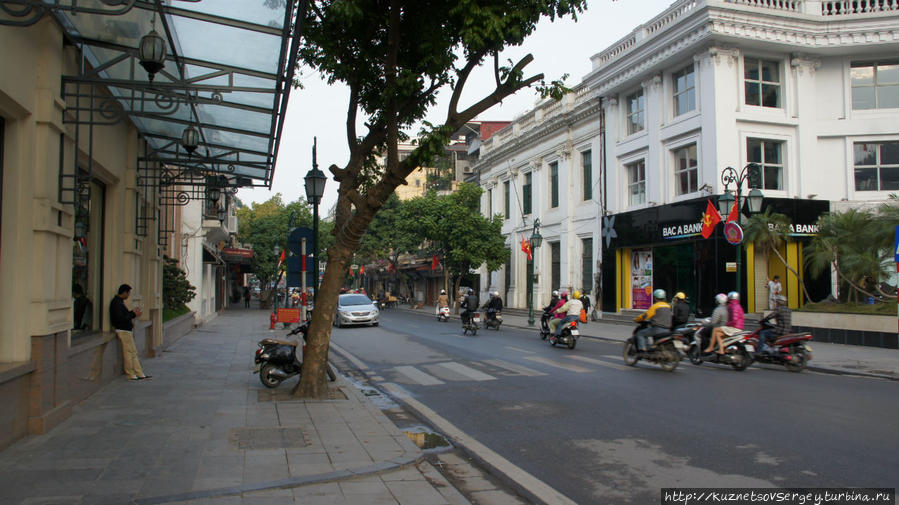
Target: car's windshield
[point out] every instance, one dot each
(354, 300)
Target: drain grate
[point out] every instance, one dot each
(268, 438)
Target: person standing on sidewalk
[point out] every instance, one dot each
(774, 290)
(122, 321)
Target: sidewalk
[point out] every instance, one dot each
(826, 357)
(205, 431)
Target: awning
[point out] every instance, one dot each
(211, 255)
(227, 73)
(238, 256)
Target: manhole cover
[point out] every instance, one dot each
(267, 438)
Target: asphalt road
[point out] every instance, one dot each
(600, 432)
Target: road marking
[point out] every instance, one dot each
(558, 364)
(514, 368)
(418, 376)
(346, 354)
(600, 362)
(611, 356)
(469, 372)
(520, 350)
(532, 484)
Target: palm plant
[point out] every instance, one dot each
(768, 231)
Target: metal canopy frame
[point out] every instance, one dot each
(237, 102)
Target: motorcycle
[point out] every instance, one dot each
(737, 351)
(443, 314)
(790, 350)
(471, 325)
(567, 336)
(544, 324)
(276, 360)
(493, 320)
(664, 349)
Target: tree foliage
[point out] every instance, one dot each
(395, 56)
(176, 289)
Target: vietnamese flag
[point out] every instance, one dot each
(710, 219)
(526, 247)
(281, 259)
(362, 270)
(434, 262)
(734, 213)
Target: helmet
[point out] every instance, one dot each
(680, 295)
(564, 294)
(496, 293)
(720, 298)
(733, 295)
(556, 293)
(442, 291)
(659, 294)
(576, 294)
(470, 291)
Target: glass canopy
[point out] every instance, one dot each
(227, 72)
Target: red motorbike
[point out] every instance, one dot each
(791, 350)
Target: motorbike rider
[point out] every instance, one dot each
(442, 300)
(554, 315)
(570, 311)
(680, 310)
(493, 305)
(784, 316)
(735, 322)
(658, 316)
(470, 304)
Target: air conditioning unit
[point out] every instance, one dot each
(467, 170)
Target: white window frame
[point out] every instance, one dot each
(675, 94)
(674, 171)
(627, 191)
(628, 113)
(782, 147)
(781, 83)
(878, 165)
(875, 85)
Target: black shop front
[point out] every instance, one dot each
(662, 247)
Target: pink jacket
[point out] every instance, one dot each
(736, 314)
(562, 301)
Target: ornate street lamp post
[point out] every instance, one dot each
(315, 187)
(535, 241)
(752, 175)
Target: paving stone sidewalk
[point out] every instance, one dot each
(205, 431)
(826, 357)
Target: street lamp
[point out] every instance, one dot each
(315, 187)
(151, 52)
(752, 175)
(535, 241)
(190, 138)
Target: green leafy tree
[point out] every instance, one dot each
(176, 289)
(389, 235)
(768, 231)
(395, 56)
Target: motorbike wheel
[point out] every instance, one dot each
(474, 330)
(799, 364)
(630, 353)
(669, 359)
(695, 355)
(265, 376)
(572, 342)
(743, 362)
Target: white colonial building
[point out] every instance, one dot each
(808, 90)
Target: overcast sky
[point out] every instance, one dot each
(561, 47)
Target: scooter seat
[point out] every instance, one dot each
(269, 341)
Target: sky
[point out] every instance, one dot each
(560, 47)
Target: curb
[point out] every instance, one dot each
(820, 369)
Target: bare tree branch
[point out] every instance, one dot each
(352, 110)
(496, 69)
(463, 76)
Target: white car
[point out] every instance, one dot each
(356, 309)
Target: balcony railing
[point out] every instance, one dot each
(848, 7)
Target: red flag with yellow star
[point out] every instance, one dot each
(526, 247)
(710, 219)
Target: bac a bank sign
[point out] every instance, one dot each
(688, 230)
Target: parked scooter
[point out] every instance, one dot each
(493, 320)
(472, 324)
(664, 349)
(737, 350)
(276, 360)
(443, 314)
(567, 336)
(790, 350)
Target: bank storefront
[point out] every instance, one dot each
(662, 247)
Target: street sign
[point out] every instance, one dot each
(730, 266)
(295, 271)
(295, 240)
(896, 246)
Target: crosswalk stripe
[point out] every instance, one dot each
(558, 364)
(469, 372)
(514, 368)
(418, 376)
(520, 350)
(600, 362)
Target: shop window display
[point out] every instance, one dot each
(87, 259)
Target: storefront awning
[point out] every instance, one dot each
(227, 73)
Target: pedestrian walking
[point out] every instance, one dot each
(122, 321)
(246, 297)
(774, 290)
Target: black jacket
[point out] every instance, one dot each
(495, 303)
(552, 303)
(680, 313)
(119, 315)
(470, 302)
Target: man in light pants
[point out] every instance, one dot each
(122, 321)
